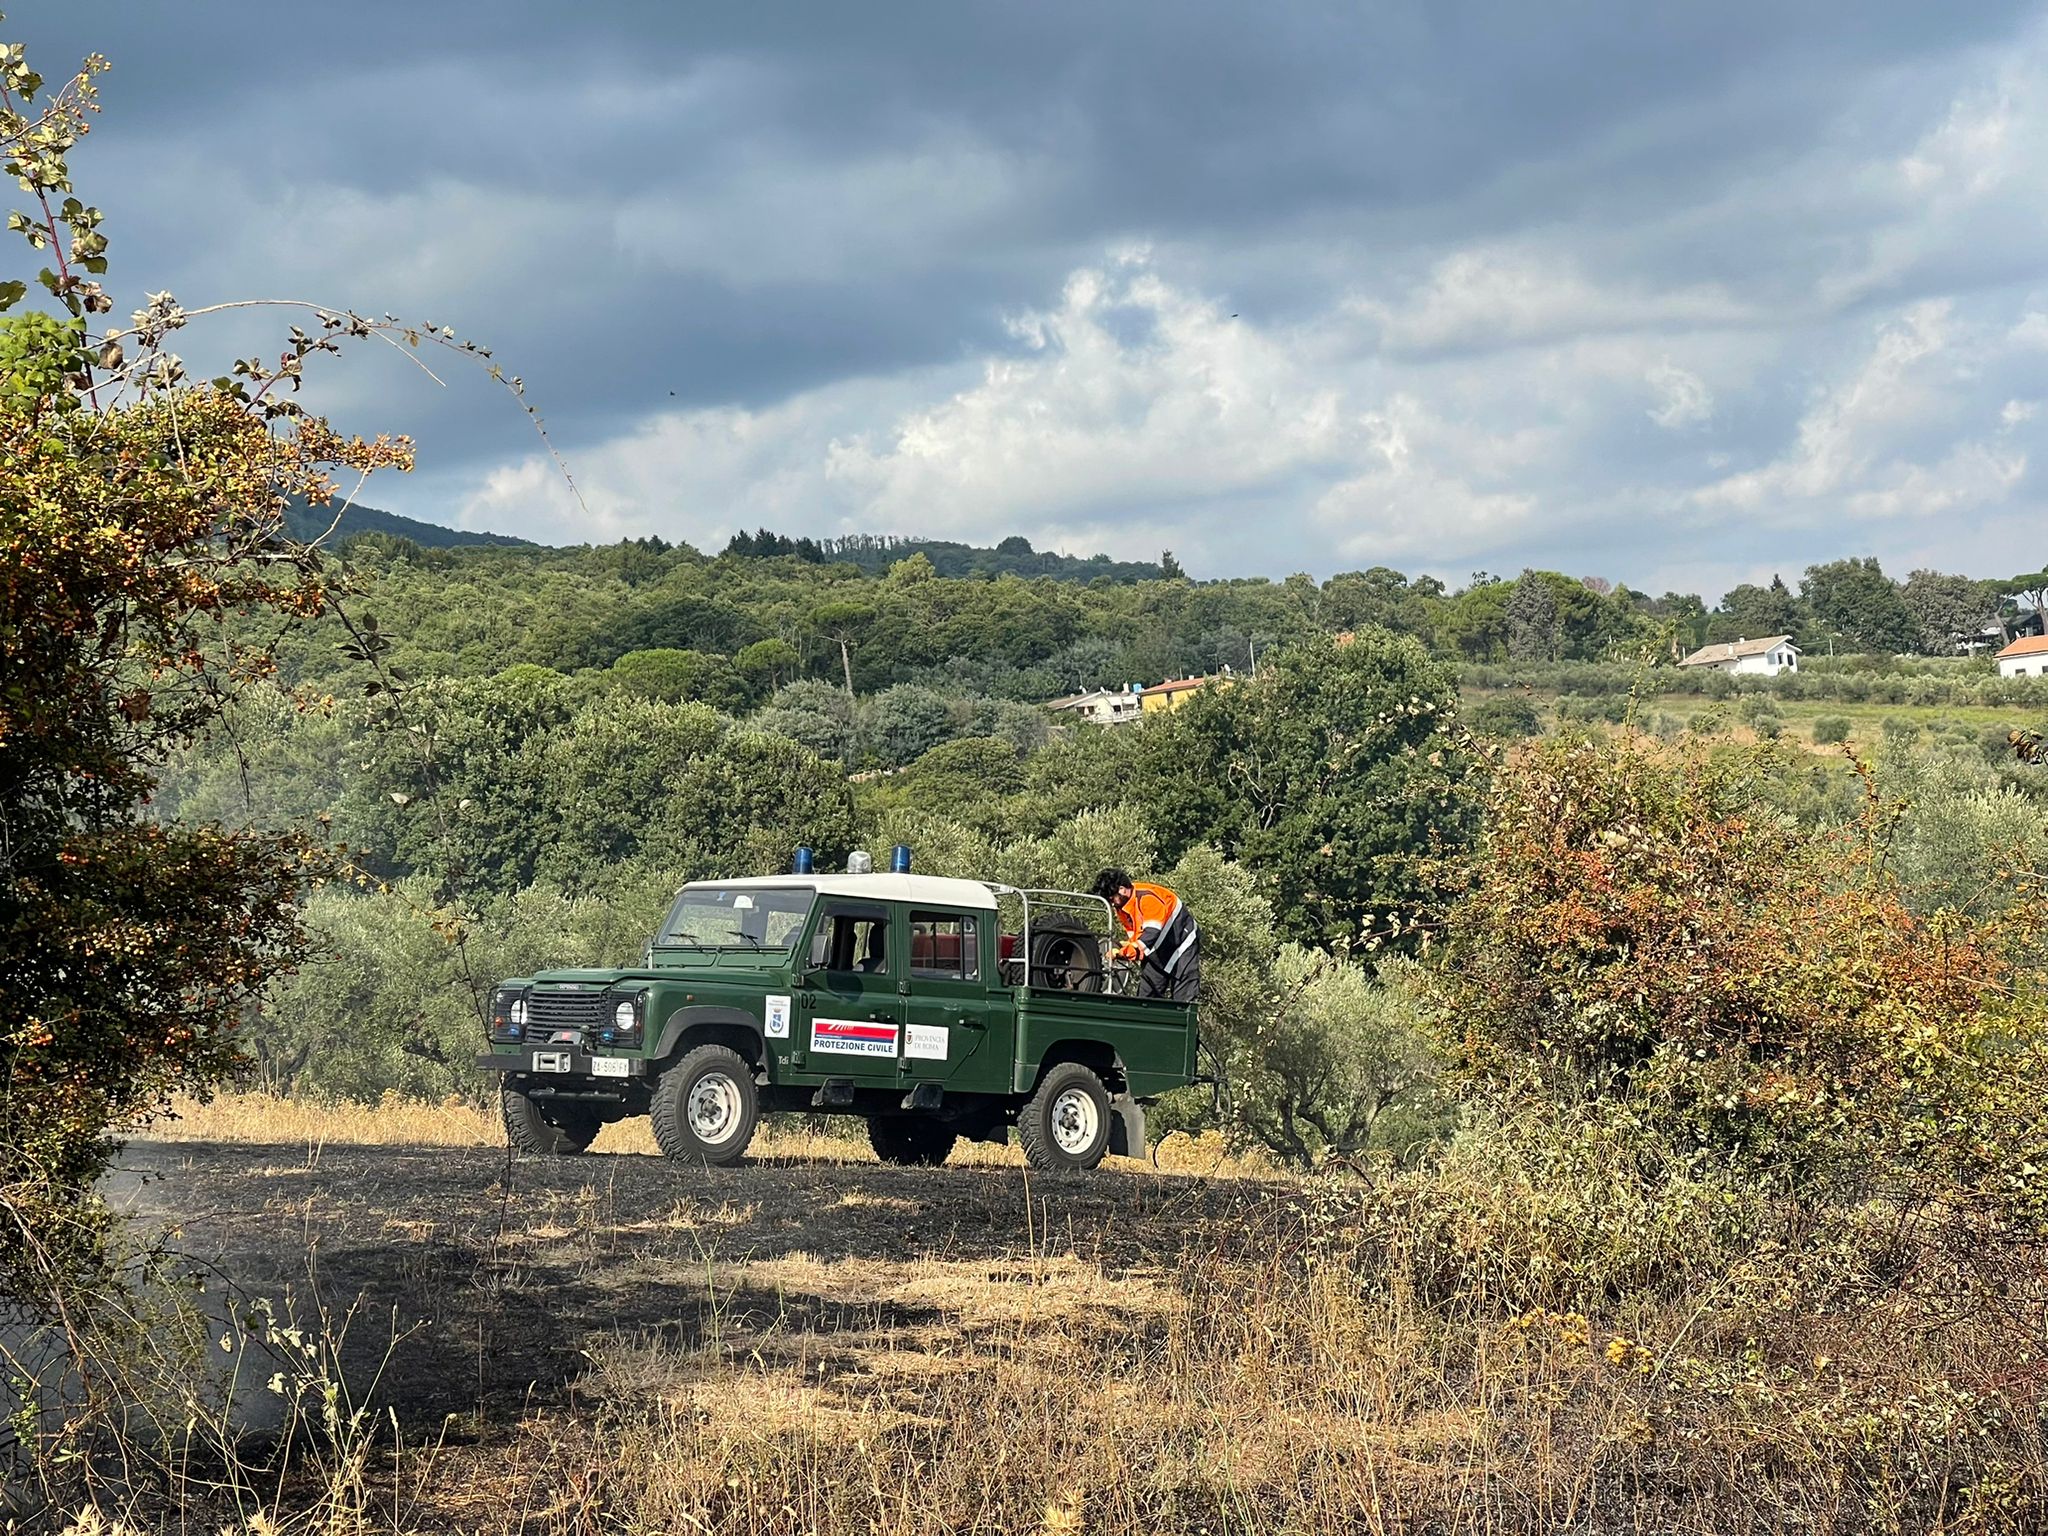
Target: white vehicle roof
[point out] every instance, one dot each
(934, 889)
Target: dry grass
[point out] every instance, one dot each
(808, 1345)
(275, 1120)
(271, 1119)
(1232, 1394)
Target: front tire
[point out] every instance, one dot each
(705, 1107)
(1064, 1126)
(556, 1130)
(914, 1141)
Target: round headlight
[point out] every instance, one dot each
(519, 1010)
(622, 1016)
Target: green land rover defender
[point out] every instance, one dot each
(933, 1008)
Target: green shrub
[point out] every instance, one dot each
(1759, 712)
(1964, 838)
(1829, 729)
(1612, 708)
(1508, 715)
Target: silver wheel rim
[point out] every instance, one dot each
(1074, 1120)
(713, 1110)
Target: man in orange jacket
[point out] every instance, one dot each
(1159, 933)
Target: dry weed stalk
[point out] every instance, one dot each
(173, 1395)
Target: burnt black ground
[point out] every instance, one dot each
(501, 1272)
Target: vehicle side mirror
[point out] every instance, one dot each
(820, 942)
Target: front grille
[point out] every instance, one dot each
(550, 1011)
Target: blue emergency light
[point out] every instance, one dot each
(802, 863)
(899, 859)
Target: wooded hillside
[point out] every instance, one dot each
(746, 623)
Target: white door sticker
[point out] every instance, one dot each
(776, 1024)
(926, 1042)
(854, 1037)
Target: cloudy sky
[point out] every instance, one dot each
(1677, 295)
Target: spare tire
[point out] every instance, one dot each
(1067, 961)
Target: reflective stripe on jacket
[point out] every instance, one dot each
(1148, 916)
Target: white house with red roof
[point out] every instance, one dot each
(2026, 657)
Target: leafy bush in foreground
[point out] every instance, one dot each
(132, 527)
(1645, 938)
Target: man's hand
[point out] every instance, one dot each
(1131, 950)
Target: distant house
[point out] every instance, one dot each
(1171, 695)
(1101, 706)
(2025, 658)
(1769, 656)
(1996, 634)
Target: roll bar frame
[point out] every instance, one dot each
(1119, 980)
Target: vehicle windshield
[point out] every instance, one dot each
(727, 917)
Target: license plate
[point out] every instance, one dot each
(550, 1061)
(607, 1066)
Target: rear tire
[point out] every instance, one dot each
(914, 1141)
(705, 1107)
(1064, 1126)
(553, 1130)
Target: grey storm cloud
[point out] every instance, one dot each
(1676, 294)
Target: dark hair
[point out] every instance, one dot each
(1109, 883)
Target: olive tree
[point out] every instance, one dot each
(813, 714)
(1963, 837)
(1334, 776)
(1334, 1054)
(383, 1003)
(1317, 1059)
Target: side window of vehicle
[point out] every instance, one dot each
(853, 942)
(945, 946)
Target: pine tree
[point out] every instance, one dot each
(1532, 619)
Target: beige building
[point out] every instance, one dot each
(1171, 695)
